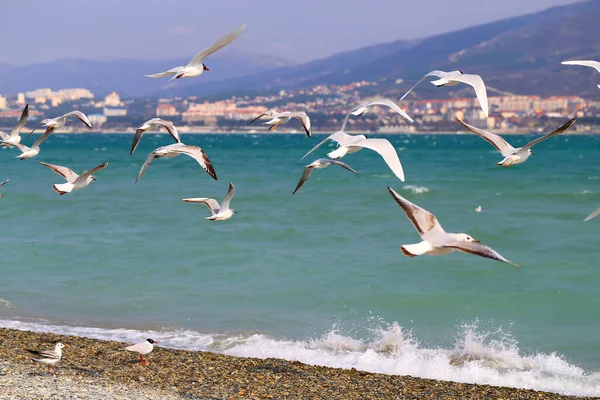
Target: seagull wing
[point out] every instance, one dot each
(212, 204)
(304, 120)
(49, 354)
(228, 197)
(219, 44)
(44, 136)
(439, 74)
(93, 171)
(563, 128)
(65, 172)
(500, 144)
(4, 135)
(337, 136)
(385, 150)
(33, 130)
(592, 215)
(478, 249)
(168, 125)
(392, 105)
(79, 115)
(19, 146)
(149, 160)
(584, 63)
(136, 139)
(257, 118)
(303, 178)
(4, 183)
(337, 162)
(198, 154)
(141, 348)
(22, 121)
(170, 72)
(477, 83)
(423, 221)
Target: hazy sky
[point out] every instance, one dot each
(298, 30)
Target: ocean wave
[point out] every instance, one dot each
(416, 189)
(491, 358)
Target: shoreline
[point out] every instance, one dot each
(96, 369)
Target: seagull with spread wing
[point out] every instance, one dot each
(51, 124)
(196, 66)
(364, 108)
(14, 136)
(74, 181)
(220, 212)
(510, 154)
(2, 184)
(435, 240)
(584, 63)
(154, 123)
(278, 118)
(319, 164)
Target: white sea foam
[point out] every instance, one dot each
(491, 358)
(416, 189)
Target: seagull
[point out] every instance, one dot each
(74, 181)
(154, 123)
(592, 215)
(510, 154)
(453, 78)
(34, 150)
(319, 164)
(14, 136)
(436, 241)
(54, 123)
(364, 108)
(176, 149)
(48, 357)
(219, 212)
(353, 143)
(478, 209)
(584, 63)
(2, 184)
(278, 118)
(142, 348)
(196, 66)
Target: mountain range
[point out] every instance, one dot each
(518, 55)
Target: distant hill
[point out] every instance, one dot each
(126, 76)
(521, 55)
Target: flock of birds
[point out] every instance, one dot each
(435, 240)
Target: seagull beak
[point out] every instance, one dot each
(206, 68)
(532, 153)
(475, 241)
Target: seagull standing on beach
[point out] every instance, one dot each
(2, 184)
(353, 143)
(584, 63)
(453, 78)
(14, 136)
(51, 124)
(177, 149)
(48, 357)
(364, 108)
(319, 164)
(278, 118)
(436, 241)
(74, 181)
(154, 123)
(219, 212)
(143, 349)
(510, 154)
(196, 66)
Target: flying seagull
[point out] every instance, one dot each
(319, 164)
(2, 184)
(592, 215)
(74, 181)
(220, 212)
(154, 123)
(364, 108)
(14, 136)
(143, 349)
(196, 66)
(52, 124)
(584, 63)
(278, 118)
(176, 149)
(436, 241)
(34, 150)
(353, 143)
(48, 357)
(453, 78)
(510, 154)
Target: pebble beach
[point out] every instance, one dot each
(97, 369)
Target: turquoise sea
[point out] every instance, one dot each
(317, 276)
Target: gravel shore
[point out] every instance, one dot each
(96, 369)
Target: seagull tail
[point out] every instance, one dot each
(63, 188)
(413, 250)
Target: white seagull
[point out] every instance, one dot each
(584, 63)
(2, 184)
(319, 164)
(48, 357)
(510, 154)
(74, 181)
(436, 241)
(177, 149)
(220, 212)
(592, 215)
(54, 123)
(196, 66)
(353, 143)
(34, 150)
(278, 118)
(364, 108)
(453, 78)
(14, 136)
(154, 123)
(143, 349)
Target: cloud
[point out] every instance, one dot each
(180, 30)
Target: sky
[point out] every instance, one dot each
(35, 31)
